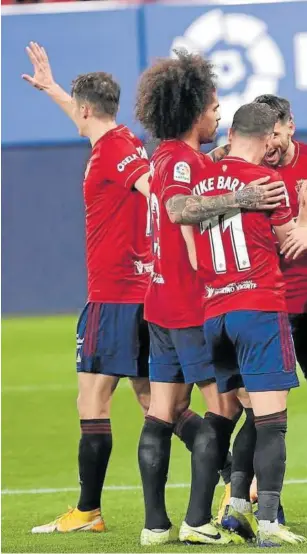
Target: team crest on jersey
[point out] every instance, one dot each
(224, 167)
(182, 172)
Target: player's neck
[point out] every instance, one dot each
(192, 140)
(289, 155)
(246, 151)
(99, 129)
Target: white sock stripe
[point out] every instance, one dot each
(9, 492)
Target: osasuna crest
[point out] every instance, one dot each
(299, 184)
(182, 172)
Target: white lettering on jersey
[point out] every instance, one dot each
(220, 182)
(121, 166)
(142, 152)
(182, 172)
(229, 289)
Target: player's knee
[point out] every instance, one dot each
(268, 402)
(244, 398)
(144, 401)
(141, 387)
(165, 413)
(226, 405)
(168, 411)
(181, 407)
(91, 406)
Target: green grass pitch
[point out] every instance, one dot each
(40, 432)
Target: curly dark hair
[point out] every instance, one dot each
(280, 105)
(98, 89)
(173, 93)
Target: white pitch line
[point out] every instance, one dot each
(120, 488)
(50, 388)
(37, 388)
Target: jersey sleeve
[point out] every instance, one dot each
(126, 162)
(282, 214)
(177, 177)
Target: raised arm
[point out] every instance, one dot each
(42, 79)
(193, 209)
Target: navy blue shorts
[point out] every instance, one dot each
(113, 339)
(178, 355)
(252, 349)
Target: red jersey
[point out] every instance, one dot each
(117, 248)
(295, 271)
(174, 296)
(237, 256)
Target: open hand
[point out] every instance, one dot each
(295, 244)
(42, 78)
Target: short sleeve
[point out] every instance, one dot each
(126, 162)
(177, 177)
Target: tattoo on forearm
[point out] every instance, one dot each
(191, 210)
(249, 197)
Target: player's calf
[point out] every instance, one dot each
(209, 453)
(269, 462)
(154, 455)
(242, 472)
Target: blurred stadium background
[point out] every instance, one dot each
(258, 47)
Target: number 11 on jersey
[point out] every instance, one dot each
(234, 224)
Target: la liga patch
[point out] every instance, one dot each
(182, 172)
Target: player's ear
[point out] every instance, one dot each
(229, 134)
(85, 111)
(291, 126)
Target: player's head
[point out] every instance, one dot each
(252, 127)
(284, 127)
(177, 96)
(95, 96)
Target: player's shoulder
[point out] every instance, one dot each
(265, 171)
(121, 138)
(123, 148)
(246, 171)
(126, 135)
(179, 157)
(254, 172)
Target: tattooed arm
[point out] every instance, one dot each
(193, 209)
